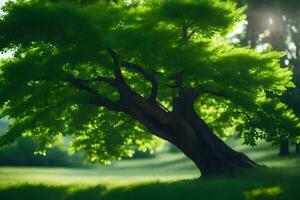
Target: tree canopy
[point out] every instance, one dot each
(68, 56)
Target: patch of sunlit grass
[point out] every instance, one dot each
(263, 192)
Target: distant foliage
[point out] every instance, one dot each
(21, 153)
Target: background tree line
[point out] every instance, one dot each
(276, 24)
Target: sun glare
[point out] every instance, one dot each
(271, 21)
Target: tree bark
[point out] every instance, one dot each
(187, 131)
(284, 148)
(218, 156)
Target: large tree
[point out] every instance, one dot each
(115, 74)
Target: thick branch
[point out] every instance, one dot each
(105, 80)
(186, 99)
(99, 99)
(153, 110)
(148, 76)
(162, 124)
(153, 126)
(116, 63)
(109, 81)
(121, 85)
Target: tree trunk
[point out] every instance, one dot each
(297, 148)
(186, 130)
(284, 148)
(218, 157)
(211, 155)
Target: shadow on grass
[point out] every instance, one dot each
(33, 192)
(277, 158)
(160, 164)
(264, 184)
(47, 192)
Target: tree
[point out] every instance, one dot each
(114, 75)
(277, 20)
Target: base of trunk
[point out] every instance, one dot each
(184, 128)
(222, 159)
(211, 155)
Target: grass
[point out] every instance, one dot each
(169, 176)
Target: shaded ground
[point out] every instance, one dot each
(257, 184)
(169, 176)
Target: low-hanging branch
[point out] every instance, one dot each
(99, 99)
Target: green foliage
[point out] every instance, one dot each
(53, 41)
(215, 16)
(22, 153)
(285, 16)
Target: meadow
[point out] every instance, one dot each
(167, 176)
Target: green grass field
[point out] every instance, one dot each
(168, 176)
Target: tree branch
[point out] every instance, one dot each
(185, 100)
(151, 124)
(99, 99)
(109, 81)
(105, 80)
(116, 62)
(192, 33)
(148, 76)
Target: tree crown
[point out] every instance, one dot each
(61, 79)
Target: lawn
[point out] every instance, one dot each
(168, 176)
